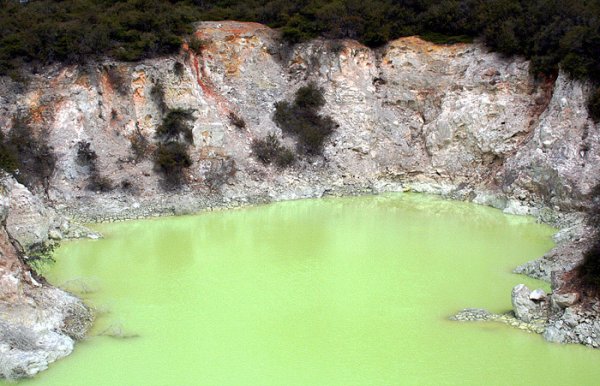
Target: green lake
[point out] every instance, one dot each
(350, 291)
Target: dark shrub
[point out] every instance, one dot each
(269, 150)
(140, 146)
(309, 97)
(176, 127)
(302, 119)
(171, 159)
(285, 158)
(99, 183)
(266, 149)
(117, 80)
(178, 69)
(196, 44)
(29, 154)
(236, 120)
(594, 105)
(85, 155)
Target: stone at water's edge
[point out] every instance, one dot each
(564, 300)
(526, 308)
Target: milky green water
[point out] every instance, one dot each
(353, 291)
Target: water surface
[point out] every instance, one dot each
(353, 291)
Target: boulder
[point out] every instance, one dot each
(564, 300)
(524, 307)
(537, 295)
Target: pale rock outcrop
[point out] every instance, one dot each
(456, 120)
(38, 323)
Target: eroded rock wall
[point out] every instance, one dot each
(38, 323)
(411, 115)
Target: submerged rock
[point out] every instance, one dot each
(481, 315)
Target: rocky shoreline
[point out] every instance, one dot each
(26, 359)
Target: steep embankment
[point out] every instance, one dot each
(455, 120)
(38, 323)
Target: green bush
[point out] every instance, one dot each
(269, 150)
(236, 120)
(75, 31)
(171, 159)
(140, 146)
(176, 127)
(309, 97)
(439, 38)
(27, 155)
(40, 257)
(594, 105)
(302, 119)
(87, 158)
(196, 45)
(589, 270)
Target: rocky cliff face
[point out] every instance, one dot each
(455, 120)
(38, 323)
(412, 114)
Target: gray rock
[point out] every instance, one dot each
(54, 234)
(570, 318)
(525, 309)
(537, 294)
(564, 300)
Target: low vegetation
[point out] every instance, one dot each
(269, 150)
(588, 272)
(171, 160)
(40, 256)
(302, 120)
(88, 158)
(26, 155)
(236, 120)
(171, 157)
(175, 127)
(140, 145)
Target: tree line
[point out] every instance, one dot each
(548, 32)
